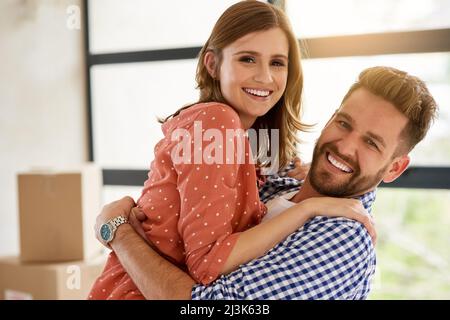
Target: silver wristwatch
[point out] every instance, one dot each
(108, 229)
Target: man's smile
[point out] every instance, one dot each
(337, 163)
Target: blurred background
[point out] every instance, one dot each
(85, 80)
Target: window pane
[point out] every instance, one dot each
(329, 17)
(327, 81)
(117, 25)
(126, 101)
(113, 193)
(413, 259)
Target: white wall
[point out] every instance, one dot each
(42, 98)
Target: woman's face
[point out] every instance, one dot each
(253, 73)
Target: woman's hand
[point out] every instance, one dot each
(120, 207)
(340, 207)
(300, 170)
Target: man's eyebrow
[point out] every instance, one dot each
(258, 54)
(346, 116)
(370, 134)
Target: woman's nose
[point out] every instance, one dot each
(263, 75)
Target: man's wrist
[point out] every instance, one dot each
(122, 232)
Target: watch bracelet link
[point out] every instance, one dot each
(117, 221)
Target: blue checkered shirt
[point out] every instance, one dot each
(327, 258)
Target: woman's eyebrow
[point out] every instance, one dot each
(254, 53)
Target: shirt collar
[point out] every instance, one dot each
(367, 199)
(280, 184)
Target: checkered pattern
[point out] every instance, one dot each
(327, 258)
(278, 184)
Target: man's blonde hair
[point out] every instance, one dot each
(408, 94)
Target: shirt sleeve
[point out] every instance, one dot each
(330, 258)
(207, 185)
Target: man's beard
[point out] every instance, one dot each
(355, 184)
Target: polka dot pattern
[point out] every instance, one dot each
(193, 216)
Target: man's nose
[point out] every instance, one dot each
(348, 145)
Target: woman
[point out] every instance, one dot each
(202, 206)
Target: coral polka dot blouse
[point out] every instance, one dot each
(201, 192)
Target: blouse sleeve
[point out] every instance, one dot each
(207, 188)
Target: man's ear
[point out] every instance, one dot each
(397, 167)
(210, 62)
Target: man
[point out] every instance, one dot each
(382, 117)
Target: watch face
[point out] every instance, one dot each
(105, 232)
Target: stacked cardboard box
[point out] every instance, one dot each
(47, 281)
(59, 255)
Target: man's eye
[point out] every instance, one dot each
(344, 124)
(371, 143)
(247, 59)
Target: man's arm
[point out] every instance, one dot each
(155, 277)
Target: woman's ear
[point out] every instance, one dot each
(210, 63)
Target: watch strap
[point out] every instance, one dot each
(117, 221)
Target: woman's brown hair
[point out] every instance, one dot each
(237, 21)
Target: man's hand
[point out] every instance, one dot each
(300, 170)
(136, 218)
(120, 207)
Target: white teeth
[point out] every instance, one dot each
(338, 164)
(259, 93)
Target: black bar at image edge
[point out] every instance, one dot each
(414, 177)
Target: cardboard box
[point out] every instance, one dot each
(43, 281)
(57, 212)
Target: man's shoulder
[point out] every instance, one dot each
(336, 232)
(328, 258)
(325, 253)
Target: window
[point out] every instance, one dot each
(127, 100)
(412, 250)
(117, 26)
(327, 81)
(329, 18)
(141, 64)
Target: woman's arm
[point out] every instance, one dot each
(256, 241)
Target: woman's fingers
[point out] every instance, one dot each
(294, 172)
(367, 221)
(371, 229)
(352, 209)
(300, 170)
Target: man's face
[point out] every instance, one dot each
(355, 151)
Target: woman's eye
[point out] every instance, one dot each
(247, 59)
(278, 63)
